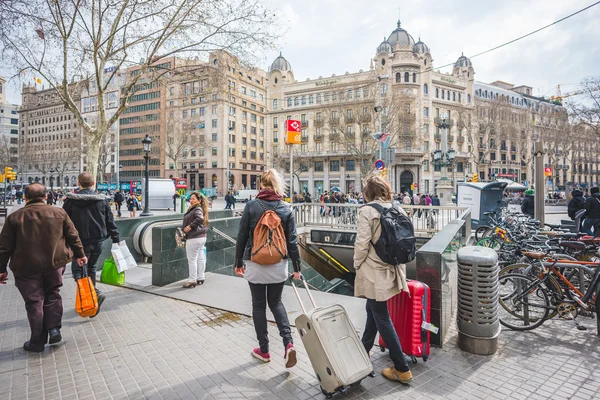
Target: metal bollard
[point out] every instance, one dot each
(478, 292)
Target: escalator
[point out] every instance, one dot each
(316, 280)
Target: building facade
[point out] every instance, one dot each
(9, 130)
(490, 126)
(50, 145)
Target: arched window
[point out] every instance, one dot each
(453, 96)
(448, 95)
(319, 98)
(406, 77)
(398, 77)
(437, 92)
(311, 99)
(275, 104)
(303, 100)
(486, 94)
(443, 94)
(414, 77)
(296, 101)
(469, 98)
(349, 94)
(0, 87)
(459, 98)
(289, 101)
(425, 89)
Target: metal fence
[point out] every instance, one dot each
(427, 219)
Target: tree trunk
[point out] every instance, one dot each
(94, 140)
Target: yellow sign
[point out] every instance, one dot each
(1, 177)
(182, 191)
(293, 138)
(475, 178)
(293, 131)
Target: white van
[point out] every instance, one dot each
(245, 195)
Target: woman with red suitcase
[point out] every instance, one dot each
(377, 281)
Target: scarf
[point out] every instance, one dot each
(269, 195)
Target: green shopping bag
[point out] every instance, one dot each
(110, 274)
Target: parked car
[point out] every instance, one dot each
(245, 195)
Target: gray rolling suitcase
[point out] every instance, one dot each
(333, 347)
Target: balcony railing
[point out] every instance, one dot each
(437, 136)
(365, 118)
(275, 126)
(438, 121)
(334, 120)
(305, 124)
(450, 138)
(365, 135)
(319, 137)
(461, 139)
(304, 139)
(350, 119)
(319, 123)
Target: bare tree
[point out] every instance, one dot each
(6, 155)
(76, 41)
(587, 111)
(345, 111)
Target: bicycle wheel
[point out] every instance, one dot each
(524, 302)
(490, 242)
(483, 231)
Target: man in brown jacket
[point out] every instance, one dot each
(39, 240)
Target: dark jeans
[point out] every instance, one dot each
(595, 223)
(261, 296)
(378, 320)
(43, 303)
(92, 252)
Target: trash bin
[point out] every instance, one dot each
(478, 291)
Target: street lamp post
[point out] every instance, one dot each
(444, 158)
(147, 141)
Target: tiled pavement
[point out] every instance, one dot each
(148, 347)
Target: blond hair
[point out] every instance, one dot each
(377, 188)
(273, 180)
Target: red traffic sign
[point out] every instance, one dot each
(379, 164)
(416, 184)
(293, 125)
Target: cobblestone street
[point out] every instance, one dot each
(144, 346)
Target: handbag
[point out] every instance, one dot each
(123, 258)
(180, 237)
(110, 275)
(86, 299)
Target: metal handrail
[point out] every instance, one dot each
(223, 235)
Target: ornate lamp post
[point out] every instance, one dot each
(443, 159)
(147, 142)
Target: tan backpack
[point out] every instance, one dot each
(269, 244)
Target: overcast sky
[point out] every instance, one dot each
(334, 36)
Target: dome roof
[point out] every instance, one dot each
(280, 64)
(462, 62)
(384, 47)
(420, 47)
(400, 37)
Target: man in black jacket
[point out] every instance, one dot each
(118, 202)
(528, 204)
(592, 210)
(94, 221)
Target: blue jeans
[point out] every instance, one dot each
(378, 320)
(92, 252)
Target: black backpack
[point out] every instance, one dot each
(397, 243)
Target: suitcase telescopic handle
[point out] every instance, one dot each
(312, 300)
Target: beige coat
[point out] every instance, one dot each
(374, 278)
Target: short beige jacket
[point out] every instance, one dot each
(374, 278)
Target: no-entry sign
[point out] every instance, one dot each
(379, 164)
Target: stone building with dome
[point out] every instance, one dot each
(490, 125)
(413, 96)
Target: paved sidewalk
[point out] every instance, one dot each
(144, 346)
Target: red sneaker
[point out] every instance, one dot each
(264, 357)
(290, 356)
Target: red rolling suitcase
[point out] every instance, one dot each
(410, 316)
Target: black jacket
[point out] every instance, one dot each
(592, 206)
(119, 198)
(92, 216)
(194, 218)
(528, 206)
(576, 203)
(252, 213)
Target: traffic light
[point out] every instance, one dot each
(475, 178)
(384, 172)
(1, 178)
(9, 175)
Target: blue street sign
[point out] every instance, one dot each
(125, 186)
(102, 186)
(113, 186)
(379, 164)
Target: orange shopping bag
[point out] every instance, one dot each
(86, 300)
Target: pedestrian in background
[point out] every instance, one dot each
(39, 240)
(528, 204)
(195, 223)
(267, 281)
(132, 205)
(118, 202)
(592, 210)
(377, 281)
(93, 218)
